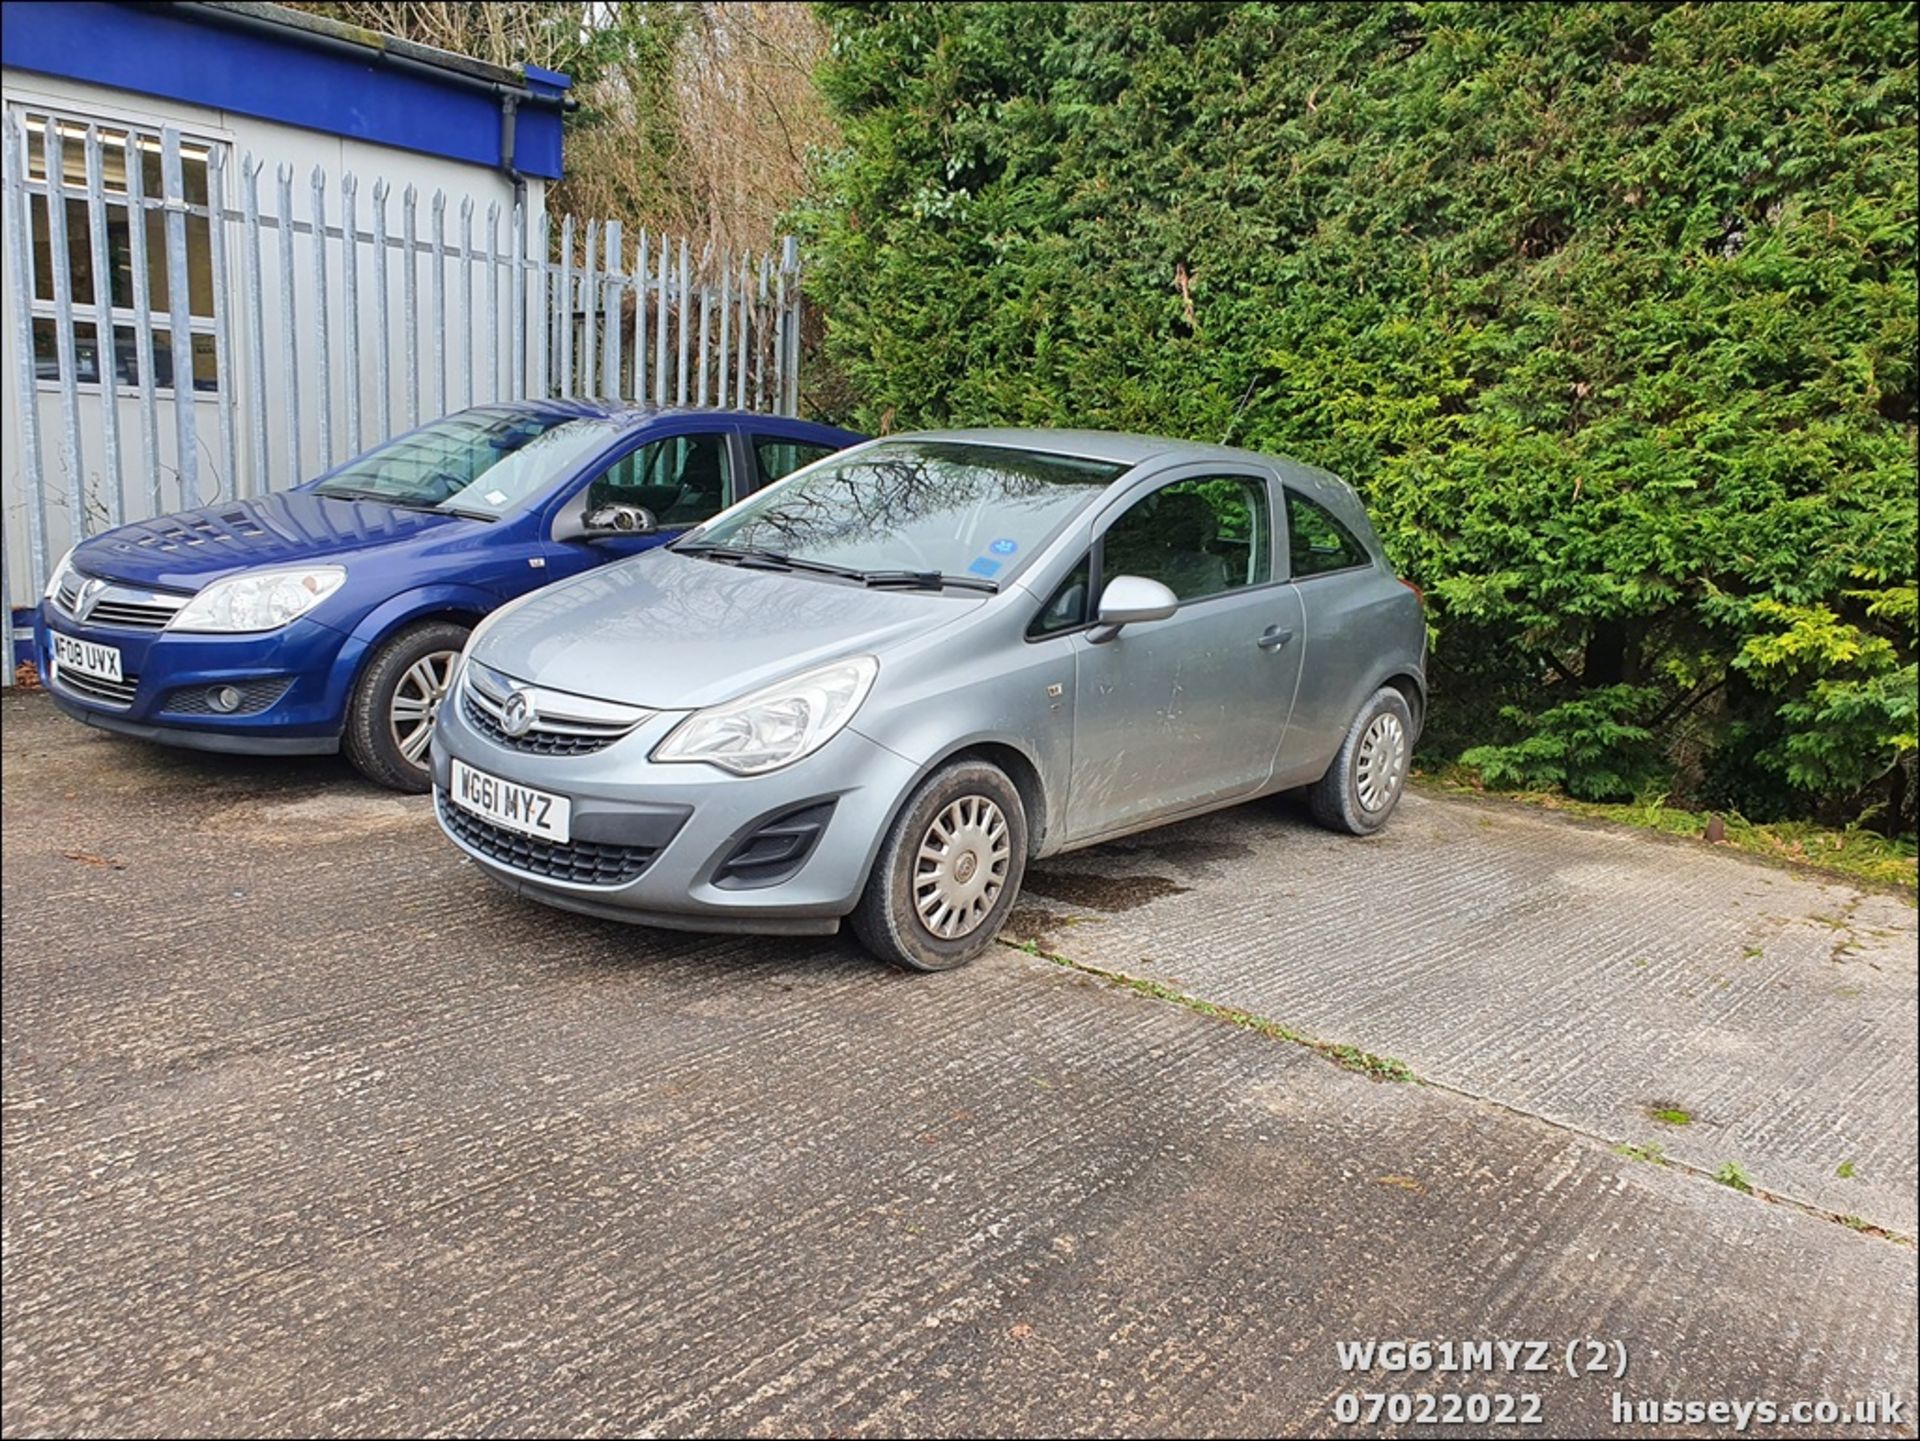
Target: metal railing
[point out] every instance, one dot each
(293, 306)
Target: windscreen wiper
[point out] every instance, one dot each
(769, 560)
(879, 579)
(927, 580)
(737, 555)
(383, 499)
(463, 512)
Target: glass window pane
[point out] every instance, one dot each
(199, 268)
(782, 457)
(157, 296)
(79, 252)
(1066, 608)
(1316, 542)
(682, 480)
(479, 460)
(954, 507)
(1196, 537)
(205, 374)
(46, 352)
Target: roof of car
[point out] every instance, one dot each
(1116, 446)
(603, 408)
(1119, 447)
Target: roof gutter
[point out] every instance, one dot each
(374, 50)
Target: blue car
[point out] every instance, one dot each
(329, 616)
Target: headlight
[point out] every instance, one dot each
(259, 599)
(59, 574)
(776, 726)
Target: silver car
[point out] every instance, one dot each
(877, 690)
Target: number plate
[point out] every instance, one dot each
(102, 662)
(539, 814)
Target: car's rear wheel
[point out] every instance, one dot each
(390, 718)
(948, 872)
(1363, 785)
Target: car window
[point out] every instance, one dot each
(1066, 608)
(483, 461)
(944, 507)
(1316, 542)
(776, 457)
(682, 480)
(1196, 537)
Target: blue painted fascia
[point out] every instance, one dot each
(154, 50)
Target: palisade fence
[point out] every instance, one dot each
(312, 321)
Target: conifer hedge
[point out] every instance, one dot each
(1608, 311)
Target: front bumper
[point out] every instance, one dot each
(693, 819)
(168, 676)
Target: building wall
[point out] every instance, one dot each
(220, 474)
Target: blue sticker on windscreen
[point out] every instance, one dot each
(983, 566)
(1004, 547)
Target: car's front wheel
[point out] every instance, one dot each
(1363, 785)
(390, 718)
(948, 872)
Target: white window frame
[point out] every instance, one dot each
(35, 110)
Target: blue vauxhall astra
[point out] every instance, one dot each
(329, 616)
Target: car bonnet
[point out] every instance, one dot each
(185, 550)
(672, 632)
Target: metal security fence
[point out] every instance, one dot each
(186, 329)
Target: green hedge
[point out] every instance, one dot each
(1608, 310)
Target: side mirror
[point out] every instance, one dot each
(1131, 600)
(615, 519)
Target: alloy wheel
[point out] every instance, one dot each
(416, 703)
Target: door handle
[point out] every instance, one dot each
(1272, 638)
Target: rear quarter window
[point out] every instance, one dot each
(1317, 543)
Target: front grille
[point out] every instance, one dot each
(130, 615)
(534, 742)
(583, 863)
(255, 696)
(106, 692)
(563, 724)
(120, 606)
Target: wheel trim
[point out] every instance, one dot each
(1381, 764)
(960, 869)
(416, 704)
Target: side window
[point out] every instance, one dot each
(682, 480)
(1316, 542)
(1196, 537)
(1066, 608)
(776, 458)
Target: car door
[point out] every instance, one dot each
(1177, 714)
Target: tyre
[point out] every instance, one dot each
(948, 871)
(390, 718)
(1363, 785)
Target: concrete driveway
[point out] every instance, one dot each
(310, 1128)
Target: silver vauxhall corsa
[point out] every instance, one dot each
(879, 688)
